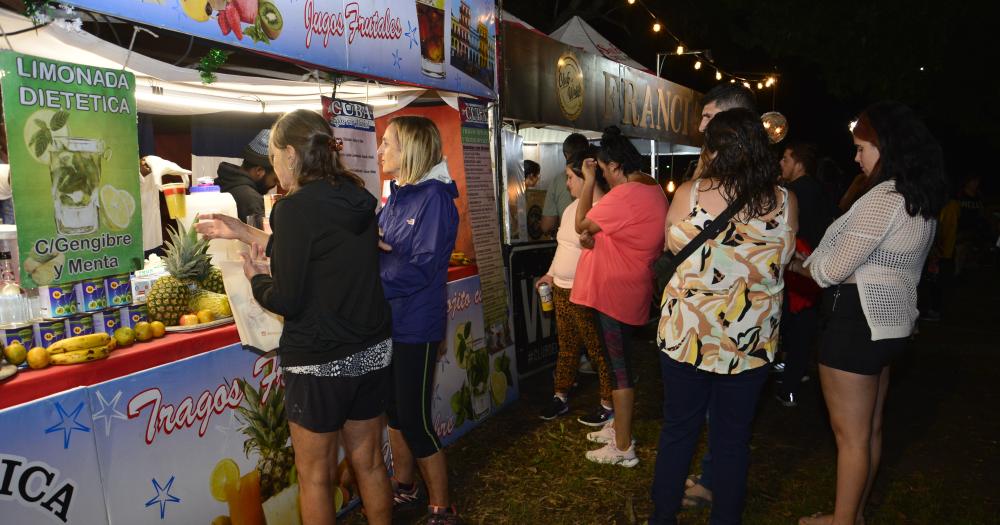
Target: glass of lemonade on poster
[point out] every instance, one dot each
(478, 372)
(431, 20)
(75, 168)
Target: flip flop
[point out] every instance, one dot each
(695, 502)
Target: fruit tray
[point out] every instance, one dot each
(200, 326)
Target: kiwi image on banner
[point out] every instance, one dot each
(73, 146)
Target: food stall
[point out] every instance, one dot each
(186, 428)
(551, 89)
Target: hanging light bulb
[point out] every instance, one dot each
(670, 186)
(746, 85)
(680, 49)
(656, 27)
(732, 81)
(630, 2)
(718, 75)
(697, 65)
(760, 85)
(769, 82)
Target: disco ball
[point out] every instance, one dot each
(776, 126)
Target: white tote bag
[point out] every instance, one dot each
(259, 329)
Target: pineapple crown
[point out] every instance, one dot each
(187, 256)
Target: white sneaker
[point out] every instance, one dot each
(609, 454)
(603, 436)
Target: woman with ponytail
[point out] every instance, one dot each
(336, 346)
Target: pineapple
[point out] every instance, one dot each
(267, 434)
(213, 282)
(217, 303)
(188, 264)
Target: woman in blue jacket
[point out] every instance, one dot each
(418, 225)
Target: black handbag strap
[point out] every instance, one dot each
(710, 231)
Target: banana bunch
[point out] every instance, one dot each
(459, 259)
(81, 349)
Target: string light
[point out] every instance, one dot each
(656, 27)
(732, 81)
(718, 75)
(630, 2)
(680, 49)
(697, 65)
(670, 186)
(769, 82)
(760, 85)
(746, 85)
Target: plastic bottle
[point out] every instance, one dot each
(206, 197)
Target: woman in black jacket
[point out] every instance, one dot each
(336, 346)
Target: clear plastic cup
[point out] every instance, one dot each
(175, 194)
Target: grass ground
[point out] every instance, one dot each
(939, 467)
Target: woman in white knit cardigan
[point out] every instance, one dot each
(869, 263)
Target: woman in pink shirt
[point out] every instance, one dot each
(615, 277)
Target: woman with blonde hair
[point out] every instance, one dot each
(418, 224)
(335, 347)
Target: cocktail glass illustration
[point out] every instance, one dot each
(75, 168)
(431, 19)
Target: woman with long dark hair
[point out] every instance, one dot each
(335, 347)
(721, 311)
(615, 277)
(869, 263)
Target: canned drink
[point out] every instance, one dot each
(545, 294)
(90, 295)
(80, 325)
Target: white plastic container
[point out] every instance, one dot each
(208, 198)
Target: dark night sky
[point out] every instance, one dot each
(834, 58)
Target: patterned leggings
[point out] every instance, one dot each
(617, 338)
(574, 327)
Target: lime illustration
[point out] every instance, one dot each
(498, 387)
(117, 207)
(224, 480)
(42, 127)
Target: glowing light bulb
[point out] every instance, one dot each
(680, 49)
(769, 82)
(732, 81)
(630, 2)
(697, 65)
(767, 124)
(718, 76)
(656, 27)
(746, 85)
(760, 85)
(671, 187)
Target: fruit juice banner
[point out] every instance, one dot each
(74, 154)
(471, 381)
(353, 125)
(49, 469)
(442, 44)
(181, 443)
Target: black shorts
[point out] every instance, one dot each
(845, 338)
(323, 404)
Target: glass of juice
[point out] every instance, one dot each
(175, 194)
(431, 19)
(75, 168)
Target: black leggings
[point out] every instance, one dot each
(409, 409)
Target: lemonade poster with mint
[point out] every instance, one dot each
(73, 147)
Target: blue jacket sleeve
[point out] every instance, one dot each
(431, 245)
(289, 248)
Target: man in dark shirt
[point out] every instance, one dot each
(799, 323)
(248, 182)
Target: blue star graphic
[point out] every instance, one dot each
(163, 496)
(412, 33)
(396, 59)
(67, 423)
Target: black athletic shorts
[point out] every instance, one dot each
(323, 404)
(845, 341)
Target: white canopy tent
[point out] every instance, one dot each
(577, 32)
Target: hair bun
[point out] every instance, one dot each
(610, 133)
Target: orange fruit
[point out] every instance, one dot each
(38, 358)
(158, 328)
(205, 316)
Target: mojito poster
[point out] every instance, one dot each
(73, 146)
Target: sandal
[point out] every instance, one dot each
(692, 480)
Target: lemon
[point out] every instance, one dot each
(38, 358)
(158, 328)
(125, 337)
(117, 207)
(498, 387)
(143, 331)
(225, 479)
(15, 353)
